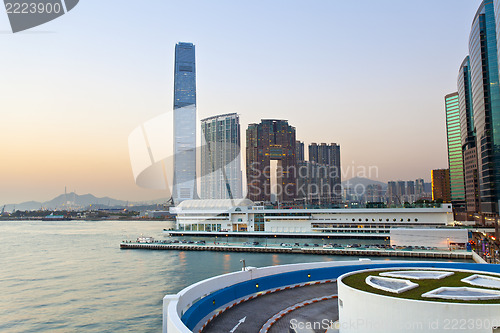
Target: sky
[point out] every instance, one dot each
(368, 75)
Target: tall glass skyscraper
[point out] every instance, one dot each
(455, 159)
(220, 157)
(483, 54)
(496, 5)
(184, 184)
(468, 137)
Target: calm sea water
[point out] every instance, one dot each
(73, 277)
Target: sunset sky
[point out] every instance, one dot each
(369, 75)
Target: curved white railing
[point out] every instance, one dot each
(174, 306)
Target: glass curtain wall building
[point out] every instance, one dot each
(483, 54)
(468, 138)
(455, 159)
(184, 184)
(220, 157)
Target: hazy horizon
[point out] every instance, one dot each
(370, 76)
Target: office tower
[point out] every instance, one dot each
(184, 185)
(299, 151)
(455, 159)
(220, 157)
(392, 193)
(468, 137)
(329, 156)
(271, 140)
(486, 104)
(441, 185)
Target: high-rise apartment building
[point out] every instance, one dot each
(374, 193)
(483, 54)
(392, 193)
(220, 157)
(313, 152)
(441, 185)
(410, 188)
(419, 187)
(314, 183)
(401, 189)
(468, 137)
(299, 151)
(184, 184)
(455, 159)
(329, 156)
(271, 140)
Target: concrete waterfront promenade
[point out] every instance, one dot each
(370, 252)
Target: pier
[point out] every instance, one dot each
(264, 234)
(462, 255)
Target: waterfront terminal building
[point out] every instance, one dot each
(243, 215)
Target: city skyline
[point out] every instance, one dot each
(72, 130)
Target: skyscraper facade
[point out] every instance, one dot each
(313, 152)
(410, 190)
(483, 54)
(184, 184)
(299, 151)
(220, 157)
(401, 189)
(419, 187)
(314, 183)
(329, 156)
(392, 193)
(496, 5)
(455, 159)
(441, 185)
(468, 137)
(271, 140)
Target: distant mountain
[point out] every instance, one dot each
(75, 201)
(362, 182)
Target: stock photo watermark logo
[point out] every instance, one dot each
(25, 15)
